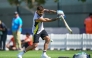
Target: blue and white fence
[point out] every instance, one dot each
(66, 41)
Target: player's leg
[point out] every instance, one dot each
(45, 37)
(46, 44)
(27, 49)
(47, 40)
(35, 44)
(31, 47)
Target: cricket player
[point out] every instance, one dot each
(39, 31)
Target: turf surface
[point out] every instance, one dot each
(37, 54)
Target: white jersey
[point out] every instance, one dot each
(37, 26)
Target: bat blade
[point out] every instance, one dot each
(67, 26)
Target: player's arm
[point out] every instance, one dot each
(46, 19)
(50, 11)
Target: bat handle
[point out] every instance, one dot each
(71, 32)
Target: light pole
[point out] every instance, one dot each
(58, 8)
(17, 6)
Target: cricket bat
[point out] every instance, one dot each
(67, 26)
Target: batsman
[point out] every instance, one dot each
(39, 31)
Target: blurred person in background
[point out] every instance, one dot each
(13, 46)
(24, 43)
(88, 24)
(28, 41)
(3, 35)
(17, 29)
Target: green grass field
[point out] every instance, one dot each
(37, 54)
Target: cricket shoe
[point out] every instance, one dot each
(20, 54)
(45, 56)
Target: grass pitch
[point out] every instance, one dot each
(37, 54)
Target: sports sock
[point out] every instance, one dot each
(44, 51)
(21, 53)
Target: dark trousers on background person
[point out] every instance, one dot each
(25, 45)
(3, 39)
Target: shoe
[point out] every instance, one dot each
(20, 54)
(45, 56)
